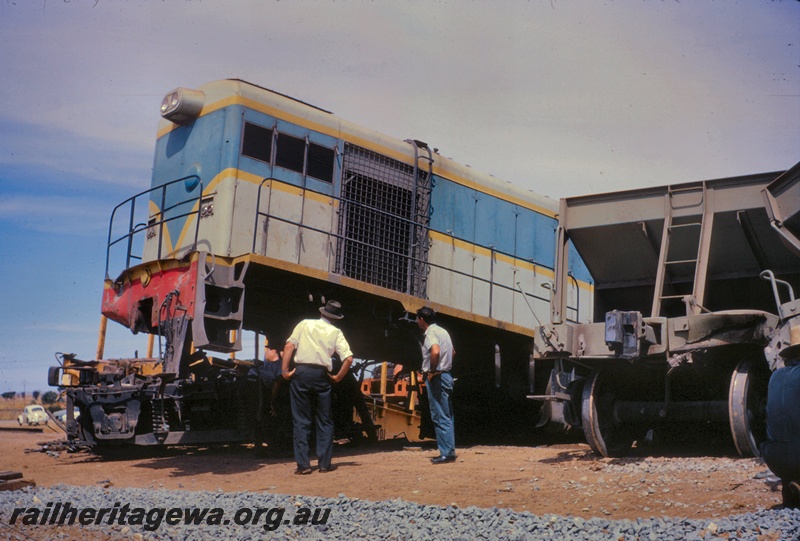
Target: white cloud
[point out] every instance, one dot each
(55, 214)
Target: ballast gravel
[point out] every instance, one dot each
(236, 516)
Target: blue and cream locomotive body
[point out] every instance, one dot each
(261, 207)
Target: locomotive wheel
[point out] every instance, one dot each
(603, 434)
(747, 401)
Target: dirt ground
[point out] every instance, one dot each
(562, 479)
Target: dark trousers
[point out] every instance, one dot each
(782, 459)
(310, 391)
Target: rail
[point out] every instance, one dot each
(155, 225)
(158, 221)
(264, 217)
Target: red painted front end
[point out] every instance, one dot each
(137, 298)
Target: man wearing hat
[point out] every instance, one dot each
(316, 340)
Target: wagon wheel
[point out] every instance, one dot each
(747, 410)
(604, 435)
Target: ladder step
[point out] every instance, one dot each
(687, 189)
(681, 262)
(667, 297)
(690, 224)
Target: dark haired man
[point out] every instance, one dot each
(270, 426)
(437, 361)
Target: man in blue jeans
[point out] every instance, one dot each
(781, 451)
(437, 361)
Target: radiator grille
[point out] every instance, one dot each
(377, 219)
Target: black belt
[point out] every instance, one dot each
(317, 366)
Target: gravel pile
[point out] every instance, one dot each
(659, 465)
(147, 515)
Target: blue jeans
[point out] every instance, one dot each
(440, 388)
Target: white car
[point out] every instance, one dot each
(61, 415)
(33, 415)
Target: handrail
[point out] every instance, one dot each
(769, 276)
(371, 208)
(387, 251)
(135, 229)
(268, 216)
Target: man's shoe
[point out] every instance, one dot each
(328, 469)
(302, 471)
(443, 459)
(791, 495)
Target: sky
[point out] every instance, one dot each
(561, 97)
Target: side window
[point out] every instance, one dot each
(257, 142)
(320, 162)
(290, 152)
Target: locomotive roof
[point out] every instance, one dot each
(227, 92)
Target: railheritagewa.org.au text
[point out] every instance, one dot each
(65, 514)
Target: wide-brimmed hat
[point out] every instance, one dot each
(332, 310)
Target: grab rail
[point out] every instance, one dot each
(135, 229)
(261, 224)
(264, 217)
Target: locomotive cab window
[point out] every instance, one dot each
(320, 162)
(292, 153)
(257, 142)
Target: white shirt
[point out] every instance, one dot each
(316, 340)
(434, 334)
